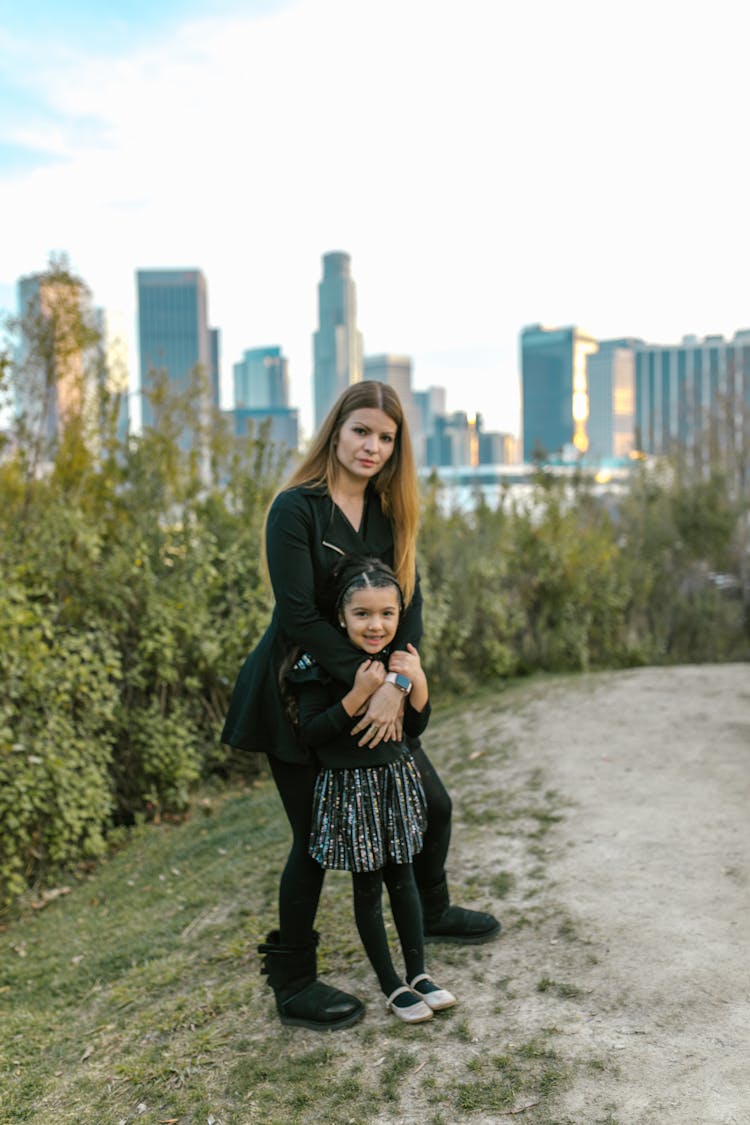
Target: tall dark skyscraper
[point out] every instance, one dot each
(555, 389)
(337, 345)
(173, 332)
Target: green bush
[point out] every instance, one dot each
(121, 630)
(57, 723)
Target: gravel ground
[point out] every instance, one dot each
(648, 869)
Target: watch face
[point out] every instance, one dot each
(403, 682)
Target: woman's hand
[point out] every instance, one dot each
(383, 718)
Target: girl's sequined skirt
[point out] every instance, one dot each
(364, 818)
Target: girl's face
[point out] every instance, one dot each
(365, 442)
(371, 618)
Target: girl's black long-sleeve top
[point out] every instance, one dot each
(306, 535)
(326, 727)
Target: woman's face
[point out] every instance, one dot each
(365, 442)
(371, 618)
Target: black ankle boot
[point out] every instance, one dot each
(301, 999)
(443, 922)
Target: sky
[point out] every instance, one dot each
(486, 164)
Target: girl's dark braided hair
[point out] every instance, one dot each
(359, 572)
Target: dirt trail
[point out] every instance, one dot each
(650, 865)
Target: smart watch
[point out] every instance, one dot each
(403, 683)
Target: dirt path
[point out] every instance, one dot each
(648, 970)
(606, 818)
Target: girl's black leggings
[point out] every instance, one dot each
(302, 878)
(407, 914)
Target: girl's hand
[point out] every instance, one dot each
(367, 679)
(370, 675)
(407, 663)
(382, 721)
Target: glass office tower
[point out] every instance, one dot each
(611, 389)
(695, 396)
(555, 390)
(337, 345)
(261, 379)
(173, 335)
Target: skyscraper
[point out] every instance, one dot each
(429, 406)
(280, 423)
(173, 334)
(261, 398)
(453, 440)
(695, 396)
(214, 340)
(113, 366)
(395, 371)
(261, 379)
(337, 345)
(555, 390)
(495, 448)
(611, 387)
(54, 353)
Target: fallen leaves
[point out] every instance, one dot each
(49, 896)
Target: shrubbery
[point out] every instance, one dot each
(131, 590)
(566, 581)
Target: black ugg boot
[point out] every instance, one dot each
(443, 922)
(301, 999)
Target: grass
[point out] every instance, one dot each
(507, 1081)
(564, 991)
(136, 997)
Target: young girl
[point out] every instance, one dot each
(369, 805)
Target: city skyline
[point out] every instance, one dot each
(531, 164)
(603, 400)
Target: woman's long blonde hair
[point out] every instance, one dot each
(396, 483)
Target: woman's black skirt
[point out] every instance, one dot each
(364, 818)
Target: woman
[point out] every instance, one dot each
(354, 493)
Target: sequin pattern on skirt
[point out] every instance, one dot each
(364, 818)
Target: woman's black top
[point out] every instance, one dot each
(306, 535)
